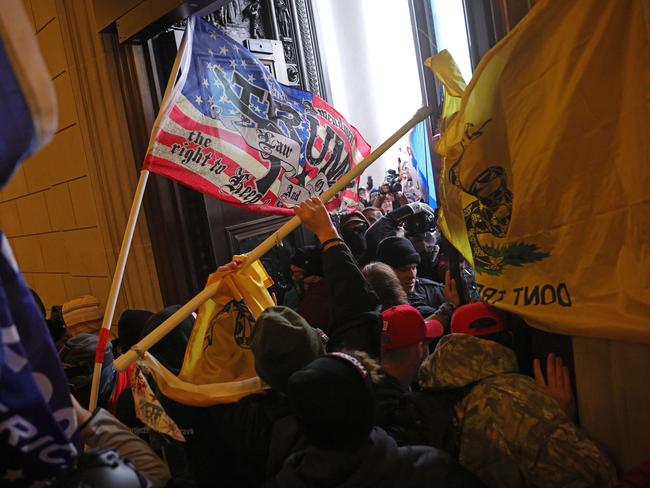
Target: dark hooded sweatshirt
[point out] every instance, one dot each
(378, 463)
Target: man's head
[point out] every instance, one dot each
(481, 320)
(405, 339)
(363, 193)
(385, 283)
(353, 228)
(306, 266)
(333, 400)
(399, 254)
(283, 342)
(372, 214)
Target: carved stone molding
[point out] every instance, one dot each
(309, 61)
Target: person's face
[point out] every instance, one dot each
(385, 188)
(363, 195)
(373, 215)
(406, 275)
(297, 273)
(355, 226)
(299, 278)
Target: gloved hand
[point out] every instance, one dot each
(418, 207)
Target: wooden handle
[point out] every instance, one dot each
(154, 336)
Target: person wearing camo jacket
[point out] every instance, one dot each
(510, 431)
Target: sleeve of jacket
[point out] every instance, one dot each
(104, 431)
(356, 322)
(384, 227)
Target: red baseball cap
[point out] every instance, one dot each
(477, 319)
(404, 326)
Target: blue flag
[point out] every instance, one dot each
(28, 99)
(421, 158)
(37, 421)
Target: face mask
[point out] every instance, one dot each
(356, 241)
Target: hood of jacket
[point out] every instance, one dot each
(461, 359)
(370, 465)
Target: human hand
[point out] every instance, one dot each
(82, 413)
(451, 292)
(314, 216)
(418, 207)
(233, 265)
(557, 382)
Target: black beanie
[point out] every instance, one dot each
(310, 259)
(170, 350)
(397, 251)
(333, 400)
(282, 343)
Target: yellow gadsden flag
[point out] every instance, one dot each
(545, 186)
(219, 366)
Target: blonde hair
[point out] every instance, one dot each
(385, 283)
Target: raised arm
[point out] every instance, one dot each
(356, 322)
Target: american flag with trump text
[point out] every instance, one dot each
(228, 129)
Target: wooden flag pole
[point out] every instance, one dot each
(274, 239)
(163, 329)
(109, 311)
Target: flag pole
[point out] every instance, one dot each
(122, 362)
(109, 311)
(292, 224)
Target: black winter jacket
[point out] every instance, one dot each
(379, 463)
(243, 433)
(428, 296)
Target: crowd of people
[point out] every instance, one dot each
(377, 376)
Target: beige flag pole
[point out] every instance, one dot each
(182, 60)
(111, 301)
(163, 329)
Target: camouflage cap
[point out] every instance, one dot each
(460, 359)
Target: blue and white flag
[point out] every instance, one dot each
(27, 94)
(37, 420)
(421, 158)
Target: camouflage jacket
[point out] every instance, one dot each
(511, 432)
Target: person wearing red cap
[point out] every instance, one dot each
(481, 320)
(405, 339)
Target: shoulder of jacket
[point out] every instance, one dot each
(428, 282)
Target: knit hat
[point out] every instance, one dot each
(404, 326)
(310, 259)
(170, 350)
(82, 315)
(282, 343)
(130, 326)
(397, 251)
(477, 319)
(333, 401)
